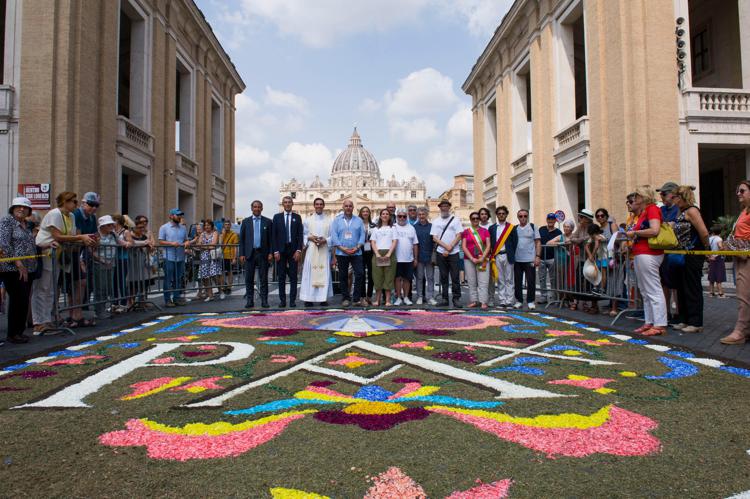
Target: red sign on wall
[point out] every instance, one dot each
(38, 194)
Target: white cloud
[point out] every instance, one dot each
(398, 167)
(460, 125)
(426, 91)
(319, 23)
(286, 100)
(370, 105)
(419, 130)
(259, 174)
(481, 16)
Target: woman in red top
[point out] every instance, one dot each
(740, 239)
(475, 242)
(647, 261)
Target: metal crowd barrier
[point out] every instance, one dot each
(565, 282)
(112, 279)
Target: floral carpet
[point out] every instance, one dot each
(376, 404)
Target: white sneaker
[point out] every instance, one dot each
(222, 296)
(532, 305)
(432, 301)
(398, 302)
(518, 304)
(420, 301)
(407, 301)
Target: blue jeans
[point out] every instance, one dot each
(173, 272)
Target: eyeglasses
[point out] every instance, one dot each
(741, 191)
(523, 216)
(474, 219)
(400, 216)
(74, 201)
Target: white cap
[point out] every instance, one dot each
(106, 220)
(21, 201)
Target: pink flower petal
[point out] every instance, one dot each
(494, 490)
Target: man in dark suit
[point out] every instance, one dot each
(256, 251)
(287, 249)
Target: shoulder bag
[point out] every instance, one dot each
(433, 258)
(665, 239)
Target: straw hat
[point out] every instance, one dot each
(591, 273)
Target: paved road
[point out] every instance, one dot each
(720, 315)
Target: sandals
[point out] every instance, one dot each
(472, 305)
(643, 328)
(73, 324)
(613, 313)
(654, 331)
(573, 306)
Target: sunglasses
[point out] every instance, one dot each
(92, 204)
(523, 216)
(741, 191)
(400, 216)
(75, 201)
(474, 219)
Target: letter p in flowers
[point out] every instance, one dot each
(73, 395)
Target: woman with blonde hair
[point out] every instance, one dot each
(648, 260)
(691, 234)
(739, 239)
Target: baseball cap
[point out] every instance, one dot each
(668, 187)
(550, 216)
(176, 211)
(91, 199)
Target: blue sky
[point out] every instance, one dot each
(316, 68)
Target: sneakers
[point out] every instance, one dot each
(692, 329)
(420, 301)
(346, 303)
(531, 305)
(457, 303)
(681, 325)
(518, 305)
(398, 301)
(432, 301)
(407, 301)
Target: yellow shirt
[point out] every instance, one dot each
(229, 241)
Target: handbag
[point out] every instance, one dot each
(216, 253)
(664, 240)
(382, 261)
(433, 257)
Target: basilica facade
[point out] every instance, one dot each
(355, 175)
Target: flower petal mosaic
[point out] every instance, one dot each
(376, 404)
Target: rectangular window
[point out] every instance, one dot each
(414, 194)
(216, 140)
(183, 109)
(701, 51)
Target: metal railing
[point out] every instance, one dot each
(565, 283)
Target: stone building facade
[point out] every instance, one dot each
(133, 99)
(575, 102)
(355, 175)
(461, 196)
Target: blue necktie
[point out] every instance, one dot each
(256, 233)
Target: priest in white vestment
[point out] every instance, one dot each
(316, 284)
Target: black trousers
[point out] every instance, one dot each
(521, 269)
(367, 268)
(687, 282)
(287, 266)
(257, 260)
(18, 302)
(343, 262)
(448, 266)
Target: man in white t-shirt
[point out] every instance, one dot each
(528, 254)
(406, 256)
(446, 232)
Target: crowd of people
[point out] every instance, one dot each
(383, 259)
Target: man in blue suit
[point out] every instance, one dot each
(287, 249)
(256, 251)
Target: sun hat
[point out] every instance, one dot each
(591, 273)
(444, 201)
(106, 220)
(20, 201)
(586, 213)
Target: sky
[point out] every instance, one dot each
(316, 68)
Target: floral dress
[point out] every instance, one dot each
(209, 267)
